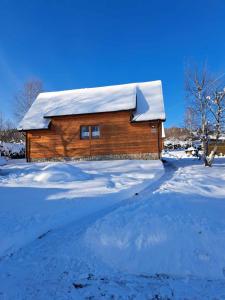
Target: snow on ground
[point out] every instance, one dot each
(171, 234)
(66, 234)
(37, 197)
(178, 154)
(2, 161)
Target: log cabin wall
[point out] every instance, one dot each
(118, 136)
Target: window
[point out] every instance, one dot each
(87, 132)
(154, 129)
(95, 132)
(84, 132)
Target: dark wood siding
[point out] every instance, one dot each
(118, 136)
(220, 147)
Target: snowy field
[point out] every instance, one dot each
(112, 230)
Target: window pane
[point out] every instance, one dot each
(84, 132)
(154, 129)
(95, 131)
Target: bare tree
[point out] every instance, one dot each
(8, 131)
(205, 103)
(190, 122)
(2, 121)
(176, 133)
(25, 97)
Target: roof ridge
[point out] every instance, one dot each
(98, 87)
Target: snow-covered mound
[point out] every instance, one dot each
(100, 177)
(50, 175)
(58, 173)
(180, 230)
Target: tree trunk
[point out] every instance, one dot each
(205, 149)
(213, 152)
(212, 156)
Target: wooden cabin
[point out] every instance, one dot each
(114, 122)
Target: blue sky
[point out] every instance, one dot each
(74, 44)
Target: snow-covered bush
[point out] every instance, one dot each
(12, 150)
(176, 144)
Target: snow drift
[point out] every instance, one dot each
(179, 231)
(38, 197)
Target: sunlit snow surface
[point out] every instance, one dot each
(2, 161)
(112, 230)
(39, 196)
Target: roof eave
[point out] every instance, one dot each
(149, 120)
(31, 129)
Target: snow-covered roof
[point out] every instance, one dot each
(145, 99)
(150, 104)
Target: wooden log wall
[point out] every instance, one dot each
(118, 136)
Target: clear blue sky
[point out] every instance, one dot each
(74, 44)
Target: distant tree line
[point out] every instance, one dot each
(8, 131)
(180, 133)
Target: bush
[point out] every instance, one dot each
(12, 150)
